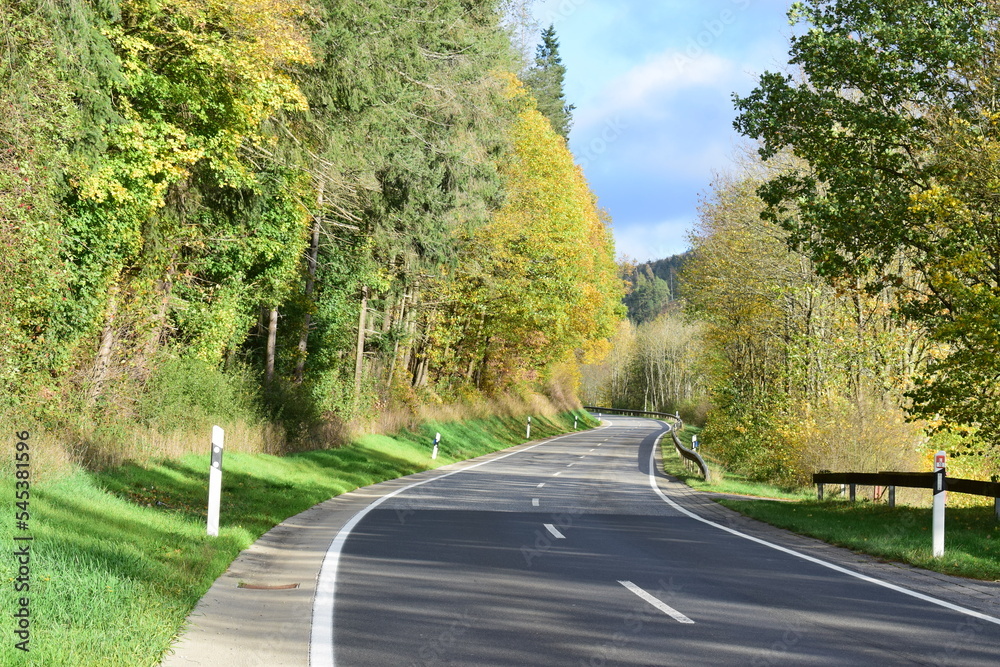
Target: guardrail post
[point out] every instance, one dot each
(939, 500)
(853, 489)
(215, 481)
(892, 496)
(996, 507)
(819, 493)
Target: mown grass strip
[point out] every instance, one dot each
(901, 534)
(722, 481)
(121, 557)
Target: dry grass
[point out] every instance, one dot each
(50, 460)
(868, 436)
(400, 418)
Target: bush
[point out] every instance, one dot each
(185, 390)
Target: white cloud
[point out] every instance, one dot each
(646, 88)
(655, 240)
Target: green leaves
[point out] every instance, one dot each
(892, 124)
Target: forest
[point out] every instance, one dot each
(838, 309)
(285, 216)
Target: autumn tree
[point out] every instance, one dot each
(893, 101)
(788, 354)
(539, 280)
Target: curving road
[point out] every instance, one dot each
(568, 552)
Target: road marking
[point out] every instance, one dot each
(321, 629)
(558, 473)
(540, 485)
(570, 465)
(534, 502)
(593, 449)
(811, 559)
(662, 606)
(555, 533)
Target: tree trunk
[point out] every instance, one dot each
(300, 365)
(359, 357)
(160, 318)
(103, 361)
(272, 337)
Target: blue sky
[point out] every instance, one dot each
(652, 82)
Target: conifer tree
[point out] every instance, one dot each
(545, 80)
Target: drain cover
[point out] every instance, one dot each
(267, 587)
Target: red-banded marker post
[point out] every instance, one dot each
(215, 481)
(940, 496)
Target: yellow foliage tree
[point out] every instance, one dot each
(539, 281)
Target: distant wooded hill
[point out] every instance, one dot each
(654, 285)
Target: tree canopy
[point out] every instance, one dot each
(892, 126)
(545, 80)
(342, 206)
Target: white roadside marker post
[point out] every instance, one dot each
(437, 439)
(939, 500)
(574, 422)
(215, 481)
(527, 434)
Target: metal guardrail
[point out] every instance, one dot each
(678, 424)
(913, 480)
(628, 411)
(689, 454)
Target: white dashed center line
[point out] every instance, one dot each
(665, 608)
(555, 533)
(540, 485)
(558, 473)
(534, 502)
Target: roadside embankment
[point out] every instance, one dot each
(120, 557)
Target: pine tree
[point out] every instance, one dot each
(545, 80)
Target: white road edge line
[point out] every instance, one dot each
(811, 559)
(662, 606)
(321, 629)
(555, 532)
(534, 502)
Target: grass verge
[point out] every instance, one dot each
(722, 481)
(119, 558)
(901, 534)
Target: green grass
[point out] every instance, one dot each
(722, 481)
(121, 557)
(901, 534)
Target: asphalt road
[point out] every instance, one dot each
(565, 554)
